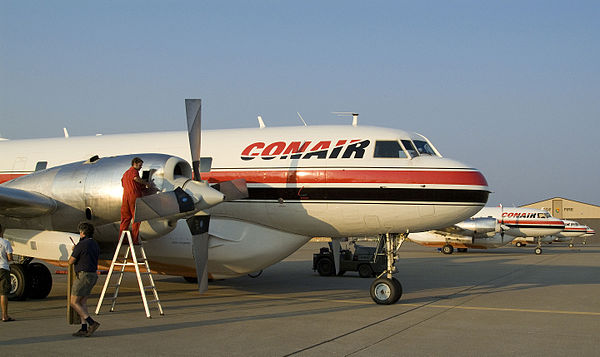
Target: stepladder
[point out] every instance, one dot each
(130, 255)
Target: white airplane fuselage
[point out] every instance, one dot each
(302, 181)
(572, 230)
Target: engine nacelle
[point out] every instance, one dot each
(479, 227)
(91, 190)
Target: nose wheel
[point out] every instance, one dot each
(386, 289)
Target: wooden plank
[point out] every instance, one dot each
(72, 315)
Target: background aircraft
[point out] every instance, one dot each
(492, 227)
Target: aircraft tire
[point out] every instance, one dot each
(399, 286)
(385, 291)
(39, 281)
(538, 251)
(325, 267)
(447, 249)
(18, 280)
(365, 271)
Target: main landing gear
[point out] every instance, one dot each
(386, 289)
(29, 280)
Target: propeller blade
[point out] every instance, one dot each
(233, 190)
(162, 204)
(199, 228)
(193, 108)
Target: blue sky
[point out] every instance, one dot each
(510, 87)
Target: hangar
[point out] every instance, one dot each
(564, 208)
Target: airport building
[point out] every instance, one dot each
(564, 208)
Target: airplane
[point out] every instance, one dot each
(301, 182)
(492, 227)
(572, 229)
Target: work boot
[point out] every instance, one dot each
(80, 333)
(93, 327)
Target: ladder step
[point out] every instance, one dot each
(126, 258)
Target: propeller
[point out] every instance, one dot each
(192, 197)
(231, 190)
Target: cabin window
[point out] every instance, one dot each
(41, 165)
(424, 148)
(410, 148)
(389, 149)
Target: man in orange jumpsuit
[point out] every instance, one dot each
(133, 187)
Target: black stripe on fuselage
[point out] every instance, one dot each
(368, 194)
(531, 226)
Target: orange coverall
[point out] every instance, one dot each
(131, 191)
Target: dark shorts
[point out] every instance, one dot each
(5, 282)
(83, 283)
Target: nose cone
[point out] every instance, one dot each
(460, 190)
(204, 195)
(555, 226)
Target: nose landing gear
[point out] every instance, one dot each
(386, 289)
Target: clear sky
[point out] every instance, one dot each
(510, 87)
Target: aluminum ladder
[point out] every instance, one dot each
(126, 261)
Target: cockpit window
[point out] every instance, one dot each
(424, 148)
(389, 149)
(410, 148)
(543, 215)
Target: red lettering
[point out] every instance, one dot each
(273, 149)
(249, 148)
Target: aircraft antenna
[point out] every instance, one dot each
(347, 114)
(261, 123)
(66, 133)
(301, 118)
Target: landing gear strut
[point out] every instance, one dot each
(538, 249)
(386, 289)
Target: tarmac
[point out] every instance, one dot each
(497, 302)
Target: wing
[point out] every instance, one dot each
(24, 204)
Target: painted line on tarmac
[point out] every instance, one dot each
(362, 302)
(508, 309)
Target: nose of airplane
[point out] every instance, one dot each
(556, 225)
(457, 183)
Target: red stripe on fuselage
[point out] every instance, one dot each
(471, 178)
(8, 177)
(465, 178)
(526, 221)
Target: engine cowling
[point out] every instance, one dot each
(91, 190)
(479, 227)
